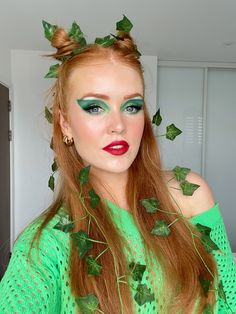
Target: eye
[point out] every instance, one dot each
(94, 109)
(133, 108)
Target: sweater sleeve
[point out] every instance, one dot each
(31, 285)
(224, 258)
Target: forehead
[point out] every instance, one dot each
(112, 78)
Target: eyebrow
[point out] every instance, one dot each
(107, 97)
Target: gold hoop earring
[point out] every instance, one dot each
(68, 141)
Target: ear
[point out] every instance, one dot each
(65, 127)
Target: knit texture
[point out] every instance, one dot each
(43, 285)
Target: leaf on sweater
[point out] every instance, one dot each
(161, 228)
(157, 118)
(64, 224)
(143, 294)
(94, 198)
(82, 242)
(94, 268)
(84, 174)
(124, 25)
(208, 309)
(180, 173)
(172, 131)
(205, 237)
(205, 285)
(87, 304)
(150, 204)
(188, 188)
(137, 271)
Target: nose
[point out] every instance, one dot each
(116, 123)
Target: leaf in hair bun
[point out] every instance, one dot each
(124, 25)
(105, 41)
(76, 34)
(49, 30)
(53, 71)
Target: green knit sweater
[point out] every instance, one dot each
(43, 286)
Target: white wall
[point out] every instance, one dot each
(5, 73)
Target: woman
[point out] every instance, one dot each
(118, 238)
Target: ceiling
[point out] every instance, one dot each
(181, 30)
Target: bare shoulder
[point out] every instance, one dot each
(201, 200)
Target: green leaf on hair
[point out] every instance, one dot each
(208, 309)
(51, 143)
(84, 175)
(205, 285)
(157, 118)
(161, 228)
(124, 25)
(48, 115)
(49, 30)
(117, 37)
(172, 131)
(94, 198)
(188, 188)
(137, 271)
(51, 183)
(205, 237)
(82, 242)
(53, 71)
(54, 166)
(64, 224)
(94, 268)
(221, 292)
(105, 41)
(143, 294)
(76, 34)
(87, 304)
(180, 173)
(150, 204)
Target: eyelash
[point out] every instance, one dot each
(91, 107)
(137, 108)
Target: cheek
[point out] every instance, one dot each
(137, 129)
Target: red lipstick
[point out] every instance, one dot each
(117, 147)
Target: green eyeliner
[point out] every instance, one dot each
(90, 103)
(136, 102)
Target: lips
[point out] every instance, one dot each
(117, 147)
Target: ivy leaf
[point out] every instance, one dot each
(49, 30)
(87, 304)
(64, 224)
(82, 242)
(188, 188)
(53, 71)
(208, 309)
(137, 271)
(94, 268)
(117, 37)
(124, 25)
(48, 114)
(161, 228)
(150, 204)
(84, 174)
(105, 41)
(180, 173)
(203, 229)
(157, 118)
(54, 166)
(51, 183)
(172, 131)
(94, 198)
(143, 294)
(205, 285)
(51, 143)
(221, 292)
(76, 34)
